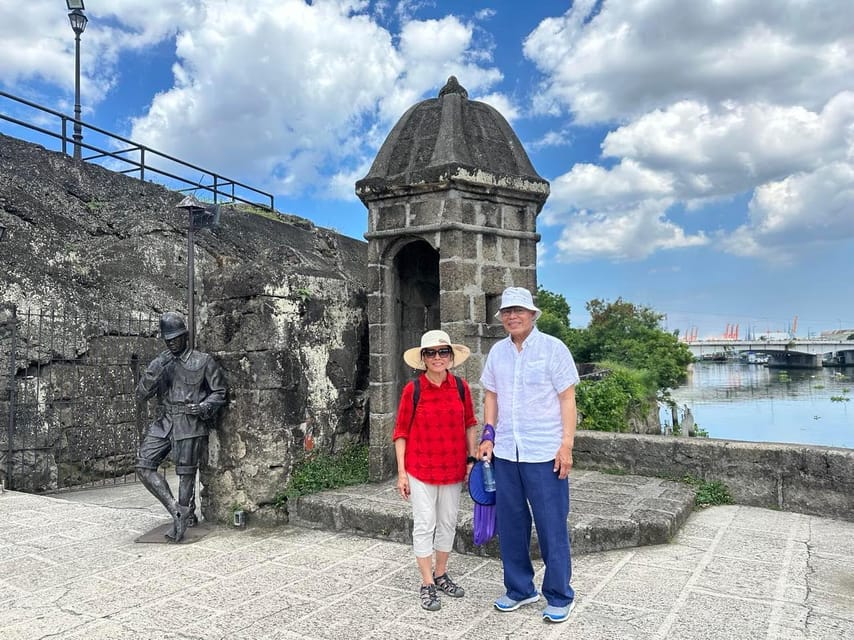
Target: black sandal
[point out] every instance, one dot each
(446, 585)
(429, 598)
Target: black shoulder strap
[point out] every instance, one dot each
(461, 389)
(416, 392)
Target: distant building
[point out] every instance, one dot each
(836, 334)
(774, 335)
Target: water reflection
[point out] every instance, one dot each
(751, 402)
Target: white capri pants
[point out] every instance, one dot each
(434, 516)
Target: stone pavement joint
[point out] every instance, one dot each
(69, 569)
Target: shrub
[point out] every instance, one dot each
(606, 404)
(709, 493)
(320, 471)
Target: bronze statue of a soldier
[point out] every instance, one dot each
(190, 388)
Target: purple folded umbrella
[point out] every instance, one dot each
(484, 523)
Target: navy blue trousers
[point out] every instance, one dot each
(523, 489)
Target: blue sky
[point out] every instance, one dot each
(700, 154)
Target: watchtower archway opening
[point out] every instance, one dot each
(416, 295)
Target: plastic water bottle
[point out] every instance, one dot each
(488, 477)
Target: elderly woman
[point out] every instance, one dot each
(435, 442)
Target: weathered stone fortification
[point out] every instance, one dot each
(806, 479)
(280, 304)
(452, 206)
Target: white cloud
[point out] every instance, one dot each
(632, 57)
(795, 215)
(629, 234)
(300, 87)
(560, 138)
(589, 186)
(707, 102)
(283, 93)
(38, 41)
(733, 148)
(501, 103)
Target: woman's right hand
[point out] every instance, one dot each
(403, 486)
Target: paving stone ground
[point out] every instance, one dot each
(69, 568)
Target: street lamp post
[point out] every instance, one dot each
(78, 24)
(199, 216)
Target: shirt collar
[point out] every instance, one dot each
(529, 340)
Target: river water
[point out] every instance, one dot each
(752, 402)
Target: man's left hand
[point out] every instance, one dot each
(563, 461)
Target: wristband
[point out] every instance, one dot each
(471, 460)
(488, 433)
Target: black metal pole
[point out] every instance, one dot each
(78, 129)
(12, 388)
(191, 283)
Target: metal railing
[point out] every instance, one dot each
(218, 186)
(71, 417)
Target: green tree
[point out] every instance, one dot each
(554, 319)
(632, 335)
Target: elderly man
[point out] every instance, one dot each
(190, 388)
(529, 383)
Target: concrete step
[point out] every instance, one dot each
(607, 512)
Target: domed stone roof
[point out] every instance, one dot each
(451, 138)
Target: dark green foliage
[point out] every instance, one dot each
(709, 493)
(320, 471)
(631, 335)
(606, 404)
(628, 341)
(554, 319)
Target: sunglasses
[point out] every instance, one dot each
(443, 352)
(514, 311)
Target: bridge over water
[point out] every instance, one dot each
(810, 353)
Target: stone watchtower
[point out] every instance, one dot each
(452, 204)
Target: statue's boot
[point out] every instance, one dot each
(181, 520)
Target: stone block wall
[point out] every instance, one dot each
(485, 241)
(280, 302)
(805, 479)
(295, 357)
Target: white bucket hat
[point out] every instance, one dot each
(434, 340)
(518, 297)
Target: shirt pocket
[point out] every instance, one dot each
(191, 379)
(537, 374)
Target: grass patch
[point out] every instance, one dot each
(709, 493)
(614, 472)
(321, 471)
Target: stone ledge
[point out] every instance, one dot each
(806, 479)
(608, 512)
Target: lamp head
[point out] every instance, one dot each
(78, 21)
(190, 204)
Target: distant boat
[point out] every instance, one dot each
(755, 358)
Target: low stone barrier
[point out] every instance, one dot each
(805, 479)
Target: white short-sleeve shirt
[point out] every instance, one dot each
(527, 384)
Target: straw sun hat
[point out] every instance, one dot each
(435, 340)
